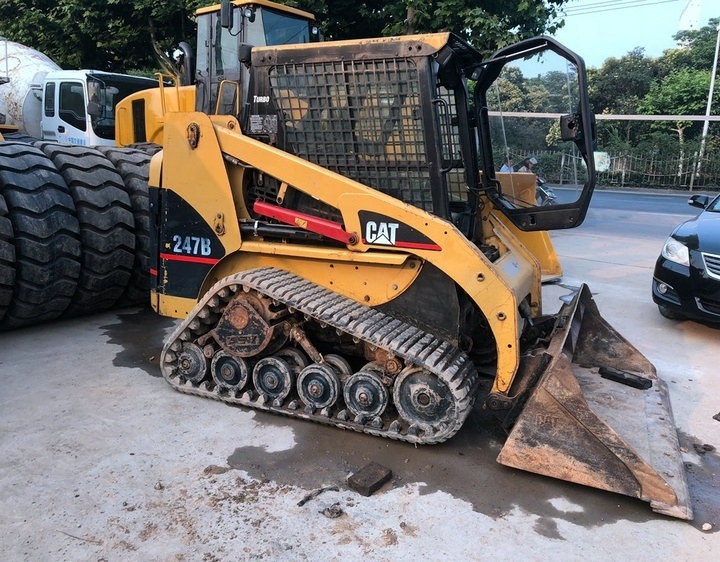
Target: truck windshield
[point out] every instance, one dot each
(107, 90)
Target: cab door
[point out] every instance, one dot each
(64, 114)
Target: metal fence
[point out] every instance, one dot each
(681, 173)
(686, 173)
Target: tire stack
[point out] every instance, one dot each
(74, 227)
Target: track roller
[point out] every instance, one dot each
(318, 386)
(365, 394)
(273, 378)
(229, 373)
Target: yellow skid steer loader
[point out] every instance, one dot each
(342, 250)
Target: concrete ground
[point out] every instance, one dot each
(101, 460)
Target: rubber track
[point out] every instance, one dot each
(45, 236)
(7, 258)
(133, 165)
(339, 313)
(106, 225)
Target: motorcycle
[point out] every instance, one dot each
(544, 193)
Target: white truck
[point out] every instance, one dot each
(40, 100)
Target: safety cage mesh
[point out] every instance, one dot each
(361, 119)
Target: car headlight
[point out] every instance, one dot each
(676, 251)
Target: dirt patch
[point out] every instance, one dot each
(463, 467)
(141, 347)
(702, 477)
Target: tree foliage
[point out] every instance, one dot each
(696, 48)
(116, 34)
(676, 83)
(619, 85)
(487, 24)
(111, 35)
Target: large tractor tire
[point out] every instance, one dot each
(133, 166)
(74, 231)
(45, 237)
(19, 137)
(149, 148)
(7, 259)
(107, 225)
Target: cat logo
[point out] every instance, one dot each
(381, 232)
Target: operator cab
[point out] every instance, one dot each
(224, 37)
(397, 114)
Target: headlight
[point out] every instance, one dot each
(676, 251)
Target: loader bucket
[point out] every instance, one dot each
(600, 416)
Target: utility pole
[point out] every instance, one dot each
(706, 124)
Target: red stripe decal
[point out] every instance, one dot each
(418, 246)
(191, 259)
(411, 245)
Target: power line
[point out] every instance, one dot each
(612, 5)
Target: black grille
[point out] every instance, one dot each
(709, 306)
(712, 265)
(361, 119)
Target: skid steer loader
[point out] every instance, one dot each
(341, 250)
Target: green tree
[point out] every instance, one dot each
(682, 92)
(618, 87)
(116, 34)
(102, 34)
(696, 48)
(620, 83)
(487, 24)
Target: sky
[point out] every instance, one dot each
(599, 29)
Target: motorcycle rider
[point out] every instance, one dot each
(544, 195)
(527, 164)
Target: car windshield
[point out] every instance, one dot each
(714, 206)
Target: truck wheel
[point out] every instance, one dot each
(107, 226)
(7, 259)
(133, 166)
(45, 236)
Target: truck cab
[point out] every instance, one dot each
(78, 106)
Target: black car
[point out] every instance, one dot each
(686, 281)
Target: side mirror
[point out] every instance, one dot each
(226, 14)
(569, 127)
(94, 109)
(699, 201)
